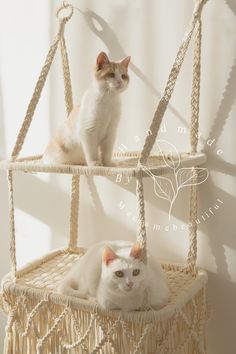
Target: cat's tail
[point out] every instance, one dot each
(66, 289)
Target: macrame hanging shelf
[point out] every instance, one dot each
(41, 321)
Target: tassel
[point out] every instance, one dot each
(8, 345)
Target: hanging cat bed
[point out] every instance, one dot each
(41, 321)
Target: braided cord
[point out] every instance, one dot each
(75, 184)
(195, 97)
(12, 225)
(74, 211)
(192, 252)
(141, 232)
(66, 75)
(161, 108)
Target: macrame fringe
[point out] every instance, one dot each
(59, 329)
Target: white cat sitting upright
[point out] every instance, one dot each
(114, 274)
(87, 136)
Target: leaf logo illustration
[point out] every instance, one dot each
(164, 188)
(187, 177)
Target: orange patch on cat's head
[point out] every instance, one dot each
(105, 68)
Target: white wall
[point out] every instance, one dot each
(150, 31)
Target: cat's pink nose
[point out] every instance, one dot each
(130, 284)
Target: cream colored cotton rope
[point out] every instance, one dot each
(74, 210)
(192, 251)
(66, 76)
(195, 98)
(12, 226)
(75, 183)
(141, 232)
(161, 108)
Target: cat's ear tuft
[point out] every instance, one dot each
(136, 251)
(125, 62)
(102, 60)
(108, 255)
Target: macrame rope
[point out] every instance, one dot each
(195, 97)
(12, 225)
(141, 232)
(192, 252)
(74, 211)
(161, 108)
(75, 185)
(66, 76)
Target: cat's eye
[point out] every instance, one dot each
(124, 77)
(119, 274)
(136, 272)
(111, 75)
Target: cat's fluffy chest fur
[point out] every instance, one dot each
(113, 273)
(99, 114)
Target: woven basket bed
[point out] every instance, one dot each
(42, 321)
(54, 323)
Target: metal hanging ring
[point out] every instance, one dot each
(68, 11)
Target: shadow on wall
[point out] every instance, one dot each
(102, 30)
(232, 5)
(43, 193)
(225, 106)
(221, 332)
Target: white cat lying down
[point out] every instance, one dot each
(113, 273)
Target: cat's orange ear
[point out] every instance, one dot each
(125, 62)
(108, 255)
(102, 59)
(136, 251)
